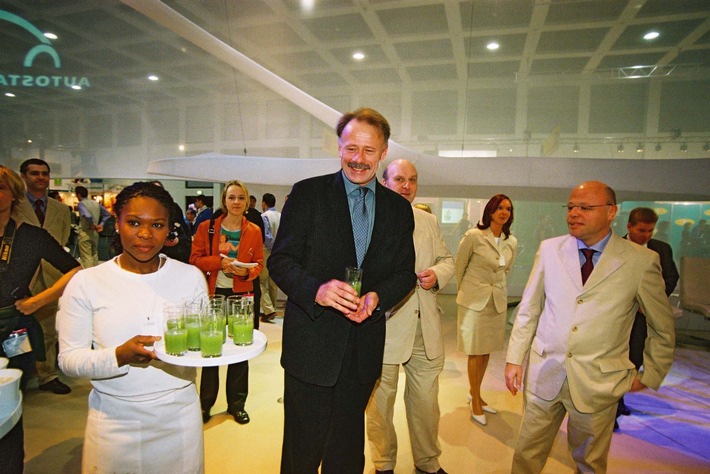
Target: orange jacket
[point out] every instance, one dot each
(251, 249)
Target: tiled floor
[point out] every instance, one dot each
(668, 431)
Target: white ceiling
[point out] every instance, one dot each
(422, 58)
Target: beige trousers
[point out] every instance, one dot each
(421, 400)
(588, 434)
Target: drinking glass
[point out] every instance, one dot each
(243, 324)
(212, 329)
(174, 330)
(353, 277)
(233, 306)
(192, 323)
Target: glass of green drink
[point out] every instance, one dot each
(192, 323)
(174, 331)
(353, 277)
(212, 328)
(234, 304)
(243, 324)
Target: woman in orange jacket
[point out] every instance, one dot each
(217, 243)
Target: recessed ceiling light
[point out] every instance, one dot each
(492, 46)
(153, 77)
(50, 35)
(358, 55)
(651, 35)
(9, 94)
(76, 87)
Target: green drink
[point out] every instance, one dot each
(176, 341)
(211, 343)
(243, 333)
(357, 285)
(193, 334)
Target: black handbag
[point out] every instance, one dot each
(9, 317)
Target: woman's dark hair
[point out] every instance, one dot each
(491, 207)
(138, 189)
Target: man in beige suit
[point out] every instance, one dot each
(578, 333)
(413, 339)
(53, 216)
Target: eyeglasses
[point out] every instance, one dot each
(584, 207)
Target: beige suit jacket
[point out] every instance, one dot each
(57, 221)
(431, 252)
(582, 332)
(479, 273)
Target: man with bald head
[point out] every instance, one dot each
(414, 339)
(575, 319)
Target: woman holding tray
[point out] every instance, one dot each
(217, 244)
(143, 413)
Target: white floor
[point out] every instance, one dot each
(668, 431)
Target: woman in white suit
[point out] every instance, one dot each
(484, 258)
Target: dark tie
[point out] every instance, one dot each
(588, 264)
(360, 225)
(39, 211)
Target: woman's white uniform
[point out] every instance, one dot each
(143, 418)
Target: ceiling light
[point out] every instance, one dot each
(651, 35)
(658, 147)
(76, 87)
(358, 55)
(50, 35)
(492, 46)
(181, 147)
(639, 148)
(684, 148)
(575, 149)
(29, 140)
(9, 94)
(620, 148)
(153, 77)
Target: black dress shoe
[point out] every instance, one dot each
(388, 471)
(56, 386)
(440, 471)
(240, 417)
(206, 416)
(268, 318)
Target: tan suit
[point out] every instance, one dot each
(478, 271)
(413, 338)
(57, 221)
(578, 340)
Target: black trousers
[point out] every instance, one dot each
(326, 425)
(637, 342)
(12, 450)
(237, 386)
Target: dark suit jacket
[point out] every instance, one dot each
(668, 268)
(314, 245)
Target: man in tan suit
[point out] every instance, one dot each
(53, 216)
(578, 333)
(413, 339)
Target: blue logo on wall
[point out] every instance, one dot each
(44, 48)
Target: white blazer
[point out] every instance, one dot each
(581, 333)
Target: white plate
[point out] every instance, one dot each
(231, 354)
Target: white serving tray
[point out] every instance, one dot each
(231, 354)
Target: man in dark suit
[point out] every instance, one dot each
(640, 227)
(333, 338)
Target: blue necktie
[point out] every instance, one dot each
(360, 225)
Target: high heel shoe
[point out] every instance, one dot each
(480, 419)
(486, 408)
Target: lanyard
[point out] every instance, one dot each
(6, 249)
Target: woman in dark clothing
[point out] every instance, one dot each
(23, 247)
